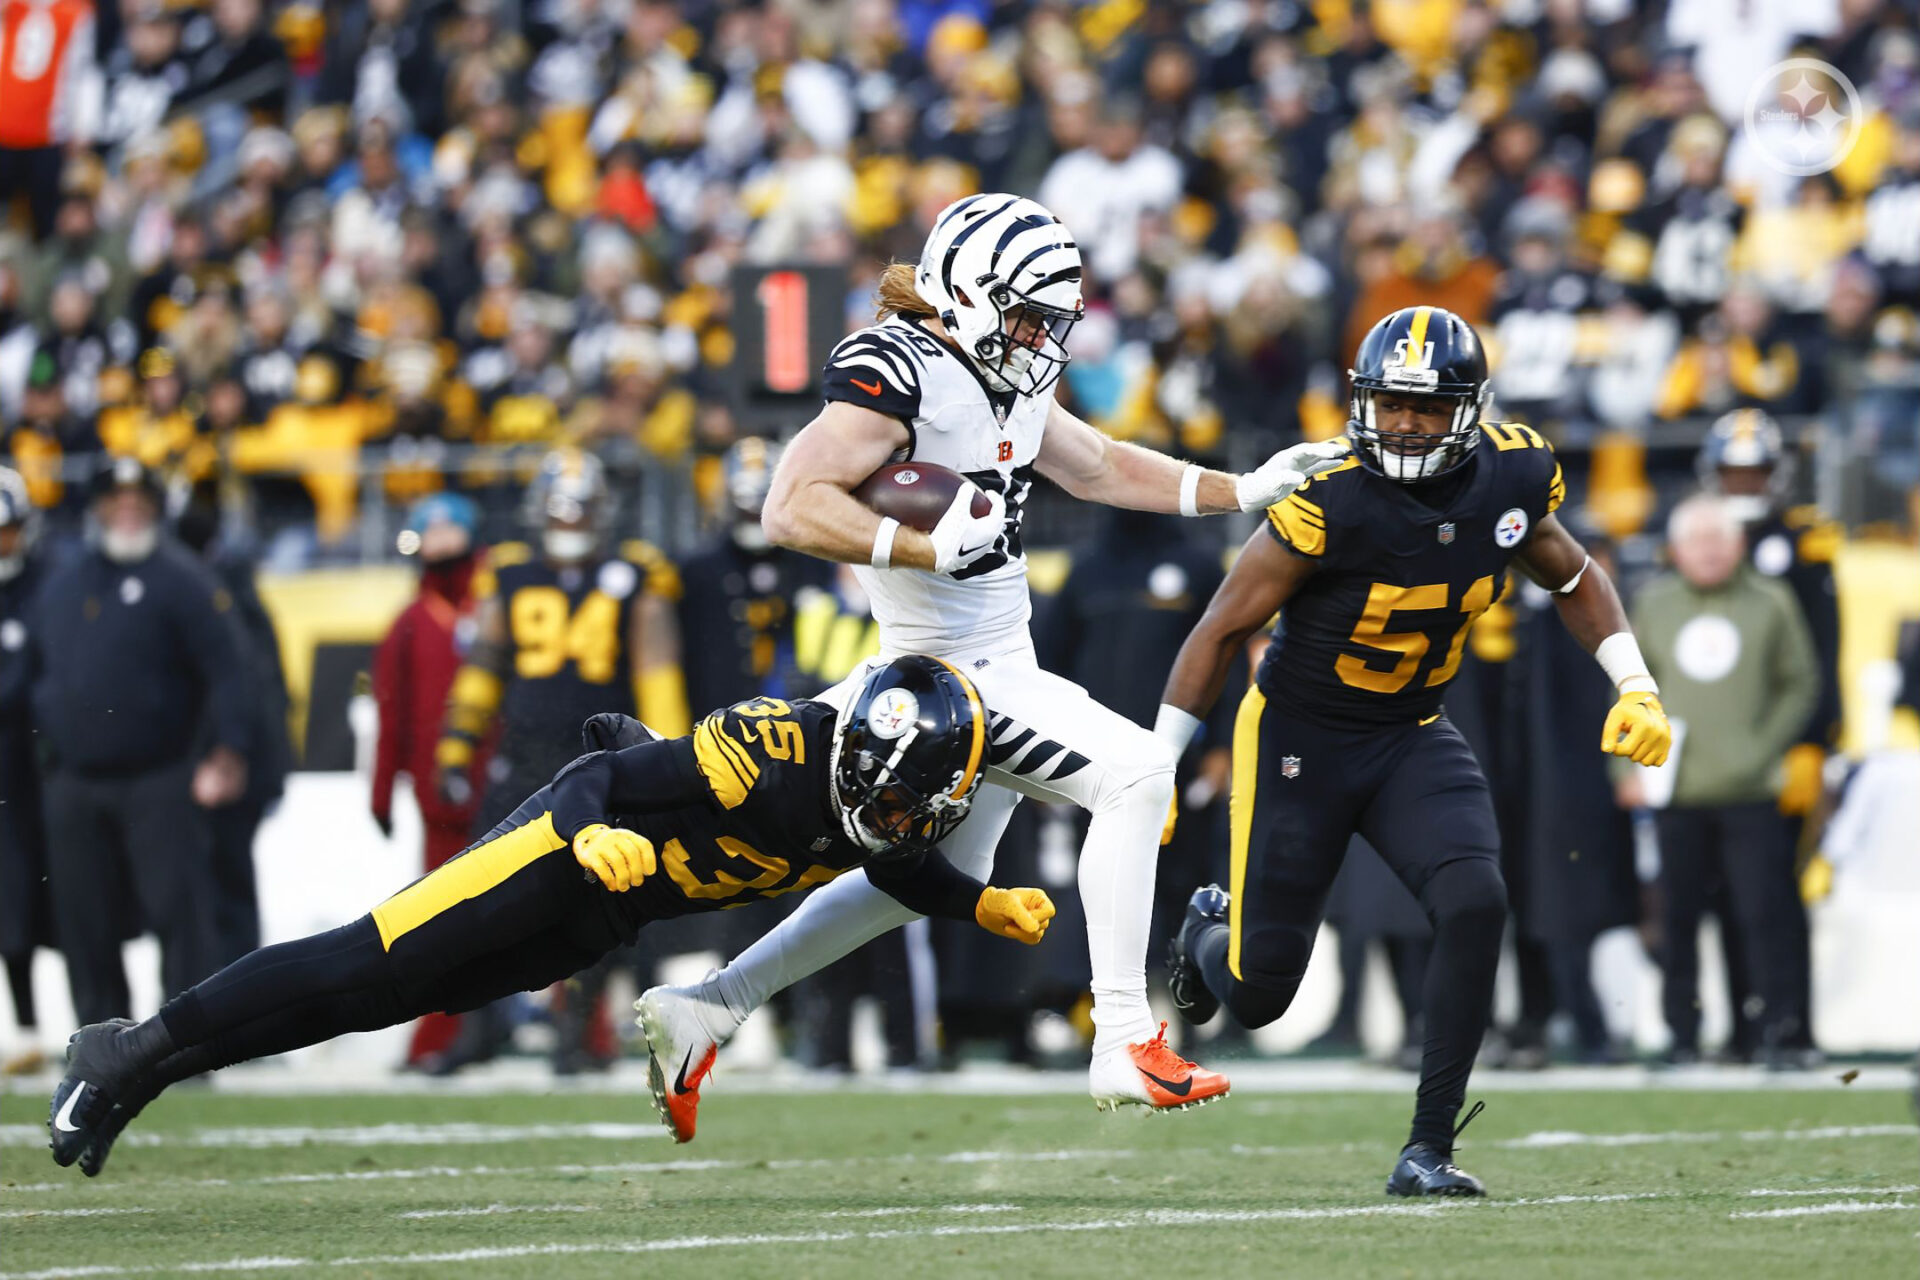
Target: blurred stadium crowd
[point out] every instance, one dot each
(320, 266)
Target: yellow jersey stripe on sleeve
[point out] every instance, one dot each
(729, 771)
(1300, 524)
(1556, 490)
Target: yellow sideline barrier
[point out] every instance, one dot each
(329, 606)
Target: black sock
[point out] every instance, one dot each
(20, 984)
(1210, 953)
(1468, 906)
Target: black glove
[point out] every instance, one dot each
(610, 731)
(456, 786)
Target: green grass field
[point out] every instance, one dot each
(886, 1184)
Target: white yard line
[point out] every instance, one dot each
(1838, 1206)
(265, 1137)
(897, 1211)
(1836, 1191)
(66, 1213)
(486, 1211)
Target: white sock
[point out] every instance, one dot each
(835, 919)
(1117, 868)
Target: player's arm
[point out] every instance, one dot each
(926, 883)
(473, 699)
(651, 777)
(1264, 577)
(1093, 466)
(659, 682)
(811, 507)
(1590, 608)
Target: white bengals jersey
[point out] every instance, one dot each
(898, 368)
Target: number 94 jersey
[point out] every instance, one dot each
(900, 369)
(1376, 633)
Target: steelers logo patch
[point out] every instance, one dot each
(13, 635)
(892, 713)
(1510, 527)
(131, 589)
(617, 579)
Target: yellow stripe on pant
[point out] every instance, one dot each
(1246, 787)
(466, 877)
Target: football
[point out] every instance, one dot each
(916, 494)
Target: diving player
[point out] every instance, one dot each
(1378, 567)
(960, 372)
(661, 827)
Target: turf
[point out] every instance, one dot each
(920, 1185)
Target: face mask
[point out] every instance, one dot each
(123, 547)
(569, 545)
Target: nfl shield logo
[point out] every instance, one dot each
(1289, 766)
(1446, 533)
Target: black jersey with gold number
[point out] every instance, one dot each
(567, 629)
(1375, 634)
(765, 826)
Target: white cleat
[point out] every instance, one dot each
(680, 1051)
(1150, 1074)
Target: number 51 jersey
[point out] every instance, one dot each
(900, 369)
(1375, 634)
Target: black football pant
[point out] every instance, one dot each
(1300, 792)
(1748, 846)
(106, 837)
(513, 913)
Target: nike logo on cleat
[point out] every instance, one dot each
(64, 1120)
(871, 388)
(1180, 1090)
(680, 1080)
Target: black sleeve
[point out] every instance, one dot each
(927, 883)
(216, 646)
(875, 371)
(1820, 603)
(643, 779)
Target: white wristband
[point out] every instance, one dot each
(882, 555)
(1190, 489)
(1175, 727)
(1619, 656)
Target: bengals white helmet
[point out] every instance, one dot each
(1003, 275)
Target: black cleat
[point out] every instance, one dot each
(99, 1069)
(94, 1158)
(1187, 984)
(1426, 1170)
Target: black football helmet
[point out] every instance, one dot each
(1746, 440)
(1424, 352)
(908, 756)
(16, 512)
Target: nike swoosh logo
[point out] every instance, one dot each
(871, 388)
(1180, 1090)
(64, 1121)
(680, 1080)
(967, 551)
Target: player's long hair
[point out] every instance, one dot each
(895, 294)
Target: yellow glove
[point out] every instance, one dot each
(1816, 881)
(1637, 728)
(1173, 816)
(621, 858)
(1020, 914)
(1802, 783)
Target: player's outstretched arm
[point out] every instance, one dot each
(1093, 466)
(811, 507)
(1637, 726)
(925, 882)
(1264, 577)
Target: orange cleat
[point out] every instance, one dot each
(680, 1053)
(1153, 1075)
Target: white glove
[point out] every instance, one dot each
(962, 537)
(1276, 478)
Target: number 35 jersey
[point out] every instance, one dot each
(899, 369)
(1375, 634)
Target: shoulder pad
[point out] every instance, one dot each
(731, 755)
(879, 368)
(1299, 523)
(1514, 435)
(661, 577)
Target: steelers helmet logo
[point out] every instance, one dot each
(1510, 527)
(893, 712)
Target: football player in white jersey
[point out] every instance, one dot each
(959, 371)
